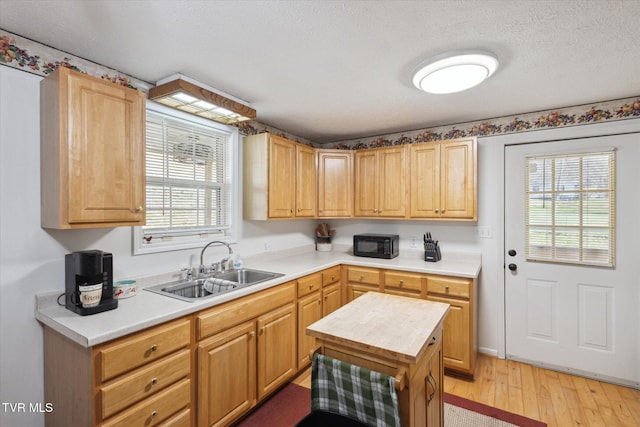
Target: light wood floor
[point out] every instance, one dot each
(558, 399)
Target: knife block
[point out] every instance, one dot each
(432, 252)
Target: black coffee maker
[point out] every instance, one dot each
(86, 268)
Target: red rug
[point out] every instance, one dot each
(293, 403)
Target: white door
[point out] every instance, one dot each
(583, 319)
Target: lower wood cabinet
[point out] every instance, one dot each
(227, 375)
(318, 295)
(247, 350)
(142, 379)
(361, 280)
(276, 349)
(460, 342)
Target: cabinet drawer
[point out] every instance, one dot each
(143, 383)
(156, 409)
(181, 419)
(310, 283)
(364, 275)
(406, 281)
(236, 312)
(331, 275)
(449, 286)
(131, 352)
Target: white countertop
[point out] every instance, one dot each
(148, 309)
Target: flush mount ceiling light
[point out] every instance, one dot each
(189, 95)
(456, 72)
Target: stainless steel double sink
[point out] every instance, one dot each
(213, 285)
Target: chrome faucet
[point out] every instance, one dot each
(202, 269)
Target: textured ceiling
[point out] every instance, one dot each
(336, 70)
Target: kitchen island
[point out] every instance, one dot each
(397, 336)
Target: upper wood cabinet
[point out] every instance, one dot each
(92, 152)
(335, 195)
(380, 183)
(306, 181)
(279, 178)
(443, 179)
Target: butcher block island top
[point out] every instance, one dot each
(391, 326)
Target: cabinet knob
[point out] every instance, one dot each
(261, 331)
(154, 381)
(138, 209)
(311, 286)
(361, 278)
(320, 210)
(154, 414)
(401, 282)
(154, 347)
(443, 210)
(319, 301)
(333, 277)
(446, 289)
(436, 211)
(251, 334)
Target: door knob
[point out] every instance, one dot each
(512, 252)
(513, 267)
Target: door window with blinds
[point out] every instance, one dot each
(189, 172)
(570, 208)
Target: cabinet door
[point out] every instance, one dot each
(330, 299)
(425, 180)
(334, 183)
(458, 184)
(354, 290)
(226, 375)
(309, 311)
(276, 349)
(457, 334)
(366, 183)
(282, 166)
(305, 181)
(106, 173)
(434, 389)
(391, 182)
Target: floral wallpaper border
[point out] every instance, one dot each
(33, 57)
(628, 108)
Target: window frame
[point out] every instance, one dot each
(197, 241)
(553, 192)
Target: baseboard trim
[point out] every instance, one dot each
(579, 372)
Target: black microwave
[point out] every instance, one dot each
(376, 245)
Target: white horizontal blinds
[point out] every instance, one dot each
(188, 178)
(570, 208)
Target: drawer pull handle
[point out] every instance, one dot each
(154, 414)
(154, 381)
(446, 289)
(432, 342)
(154, 347)
(311, 286)
(401, 282)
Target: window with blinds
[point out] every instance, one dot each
(570, 208)
(189, 180)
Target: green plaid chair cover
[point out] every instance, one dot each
(359, 393)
